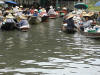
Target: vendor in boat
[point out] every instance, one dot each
(44, 15)
(15, 9)
(87, 23)
(23, 22)
(32, 10)
(8, 23)
(69, 23)
(51, 11)
(35, 14)
(43, 12)
(9, 19)
(26, 11)
(20, 12)
(78, 19)
(40, 10)
(64, 11)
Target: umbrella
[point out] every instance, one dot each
(97, 4)
(10, 2)
(1, 2)
(81, 6)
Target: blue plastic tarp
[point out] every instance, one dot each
(97, 4)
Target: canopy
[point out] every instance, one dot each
(81, 6)
(97, 4)
(2, 2)
(10, 2)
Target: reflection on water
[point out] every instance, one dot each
(23, 38)
(45, 50)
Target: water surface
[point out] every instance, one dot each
(45, 50)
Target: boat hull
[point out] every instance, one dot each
(24, 28)
(52, 16)
(8, 26)
(91, 35)
(34, 20)
(68, 30)
(45, 19)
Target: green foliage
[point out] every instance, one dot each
(92, 7)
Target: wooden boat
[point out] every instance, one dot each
(45, 19)
(52, 16)
(34, 20)
(95, 35)
(93, 32)
(8, 26)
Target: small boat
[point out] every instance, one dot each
(93, 32)
(45, 18)
(8, 26)
(94, 35)
(34, 20)
(52, 16)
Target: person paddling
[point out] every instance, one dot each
(69, 25)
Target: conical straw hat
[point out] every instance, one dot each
(23, 16)
(70, 16)
(10, 16)
(86, 15)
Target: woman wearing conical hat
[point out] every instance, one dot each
(68, 24)
(8, 23)
(87, 22)
(9, 19)
(43, 12)
(35, 14)
(64, 11)
(23, 24)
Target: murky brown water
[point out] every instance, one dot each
(45, 50)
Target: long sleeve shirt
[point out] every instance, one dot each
(9, 20)
(70, 23)
(23, 23)
(51, 11)
(87, 23)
